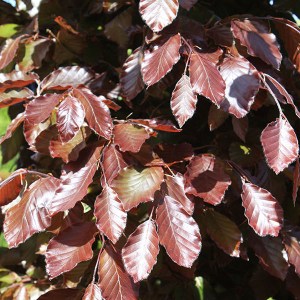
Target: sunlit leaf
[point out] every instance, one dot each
(92, 292)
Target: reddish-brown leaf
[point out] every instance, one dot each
(66, 294)
(280, 144)
(187, 4)
(114, 282)
(183, 100)
(9, 51)
(221, 34)
(130, 137)
(256, 36)
(205, 178)
(112, 162)
(74, 186)
(216, 117)
(269, 250)
(158, 62)
(15, 96)
(262, 210)
(131, 78)
(240, 127)
(140, 251)
(15, 123)
(291, 240)
(97, 113)
(11, 186)
(242, 84)
(70, 247)
(66, 77)
(178, 232)
(70, 117)
(157, 124)
(31, 214)
(176, 190)
(206, 80)
(92, 292)
(110, 214)
(296, 180)
(16, 79)
(40, 108)
(223, 232)
(158, 14)
(136, 186)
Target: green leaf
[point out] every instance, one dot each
(8, 30)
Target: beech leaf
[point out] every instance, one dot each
(9, 51)
(205, 178)
(158, 14)
(110, 214)
(134, 187)
(114, 282)
(15, 123)
(262, 210)
(242, 84)
(92, 292)
(70, 247)
(216, 117)
(183, 100)
(140, 251)
(240, 127)
(280, 144)
(187, 4)
(178, 232)
(12, 97)
(31, 214)
(158, 62)
(70, 117)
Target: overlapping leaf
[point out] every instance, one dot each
(114, 282)
(12, 97)
(40, 108)
(158, 14)
(66, 77)
(92, 292)
(256, 36)
(157, 124)
(296, 180)
(262, 210)
(9, 51)
(70, 117)
(70, 247)
(216, 117)
(223, 232)
(206, 80)
(240, 127)
(136, 186)
(183, 100)
(242, 84)
(131, 77)
(15, 123)
(158, 62)
(97, 113)
(187, 4)
(31, 214)
(130, 137)
(110, 214)
(140, 252)
(205, 178)
(178, 232)
(16, 79)
(280, 144)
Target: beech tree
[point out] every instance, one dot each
(149, 149)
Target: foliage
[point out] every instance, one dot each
(111, 199)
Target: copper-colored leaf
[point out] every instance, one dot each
(92, 292)
(66, 77)
(240, 127)
(256, 36)
(40, 108)
(110, 214)
(31, 214)
(296, 180)
(216, 117)
(15, 123)
(16, 79)
(97, 113)
(130, 137)
(223, 232)
(280, 144)
(66, 294)
(176, 190)
(70, 247)
(158, 62)
(131, 77)
(262, 210)
(205, 178)
(178, 232)
(157, 124)
(187, 4)
(158, 14)
(70, 117)
(183, 100)
(140, 252)
(112, 162)
(136, 186)
(12, 97)
(242, 84)
(269, 250)
(114, 282)
(206, 80)
(9, 51)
